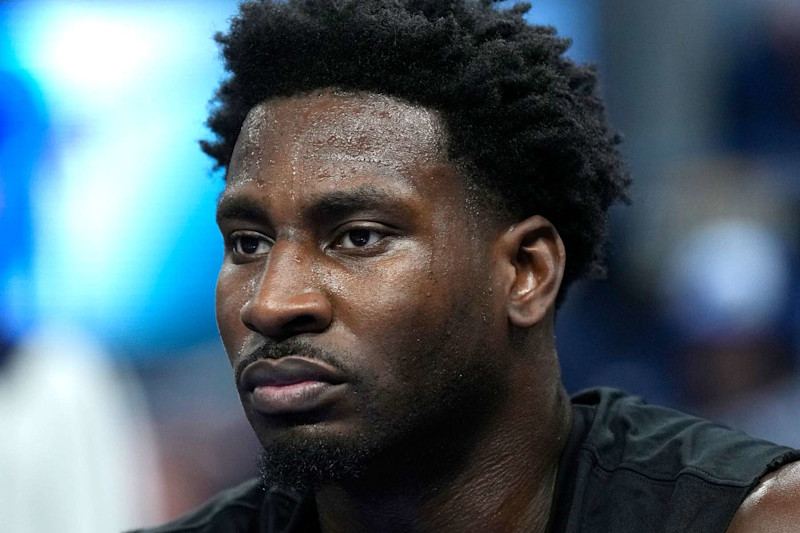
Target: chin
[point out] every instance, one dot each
(310, 455)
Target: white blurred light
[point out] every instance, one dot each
(84, 53)
(730, 276)
(98, 50)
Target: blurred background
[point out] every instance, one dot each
(117, 404)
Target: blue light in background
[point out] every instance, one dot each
(23, 126)
(123, 204)
(575, 19)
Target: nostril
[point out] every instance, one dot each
(301, 323)
(295, 326)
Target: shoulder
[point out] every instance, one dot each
(647, 461)
(774, 505)
(662, 443)
(230, 511)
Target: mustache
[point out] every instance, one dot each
(277, 350)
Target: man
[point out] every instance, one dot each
(411, 187)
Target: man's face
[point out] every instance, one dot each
(355, 300)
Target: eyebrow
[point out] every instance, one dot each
(329, 206)
(337, 204)
(239, 207)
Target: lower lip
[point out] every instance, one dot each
(293, 398)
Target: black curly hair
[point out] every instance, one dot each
(525, 121)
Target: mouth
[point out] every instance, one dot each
(289, 385)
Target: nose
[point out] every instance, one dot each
(287, 301)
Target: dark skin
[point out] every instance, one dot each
(773, 506)
(350, 233)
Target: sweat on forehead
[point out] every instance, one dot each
(340, 126)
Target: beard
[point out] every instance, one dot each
(425, 432)
(298, 464)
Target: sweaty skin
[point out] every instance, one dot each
(350, 240)
(773, 506)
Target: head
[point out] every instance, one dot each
(405, 182)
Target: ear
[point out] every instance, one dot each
(533, 259)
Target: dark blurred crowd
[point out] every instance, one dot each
(702, 306)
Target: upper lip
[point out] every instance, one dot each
(285, 371)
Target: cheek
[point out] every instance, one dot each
(232, 292)
(389, 296)
(401, 310)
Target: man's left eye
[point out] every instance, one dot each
(359, 238)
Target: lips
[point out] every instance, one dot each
(290, 384)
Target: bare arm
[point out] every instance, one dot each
(773, 506)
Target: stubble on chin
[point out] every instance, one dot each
(299, 464)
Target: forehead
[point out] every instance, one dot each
(333, 129)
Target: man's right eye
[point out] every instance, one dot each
(248, 243)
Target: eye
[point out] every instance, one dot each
(359, 238)
(249, 243)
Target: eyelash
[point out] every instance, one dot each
(347, 232)
(235, 240)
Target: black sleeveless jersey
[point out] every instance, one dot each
(628, 467)
(631, 467)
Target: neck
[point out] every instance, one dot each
(504, 483)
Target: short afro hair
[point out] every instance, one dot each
(524, 121)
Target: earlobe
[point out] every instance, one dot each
(536, 252)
